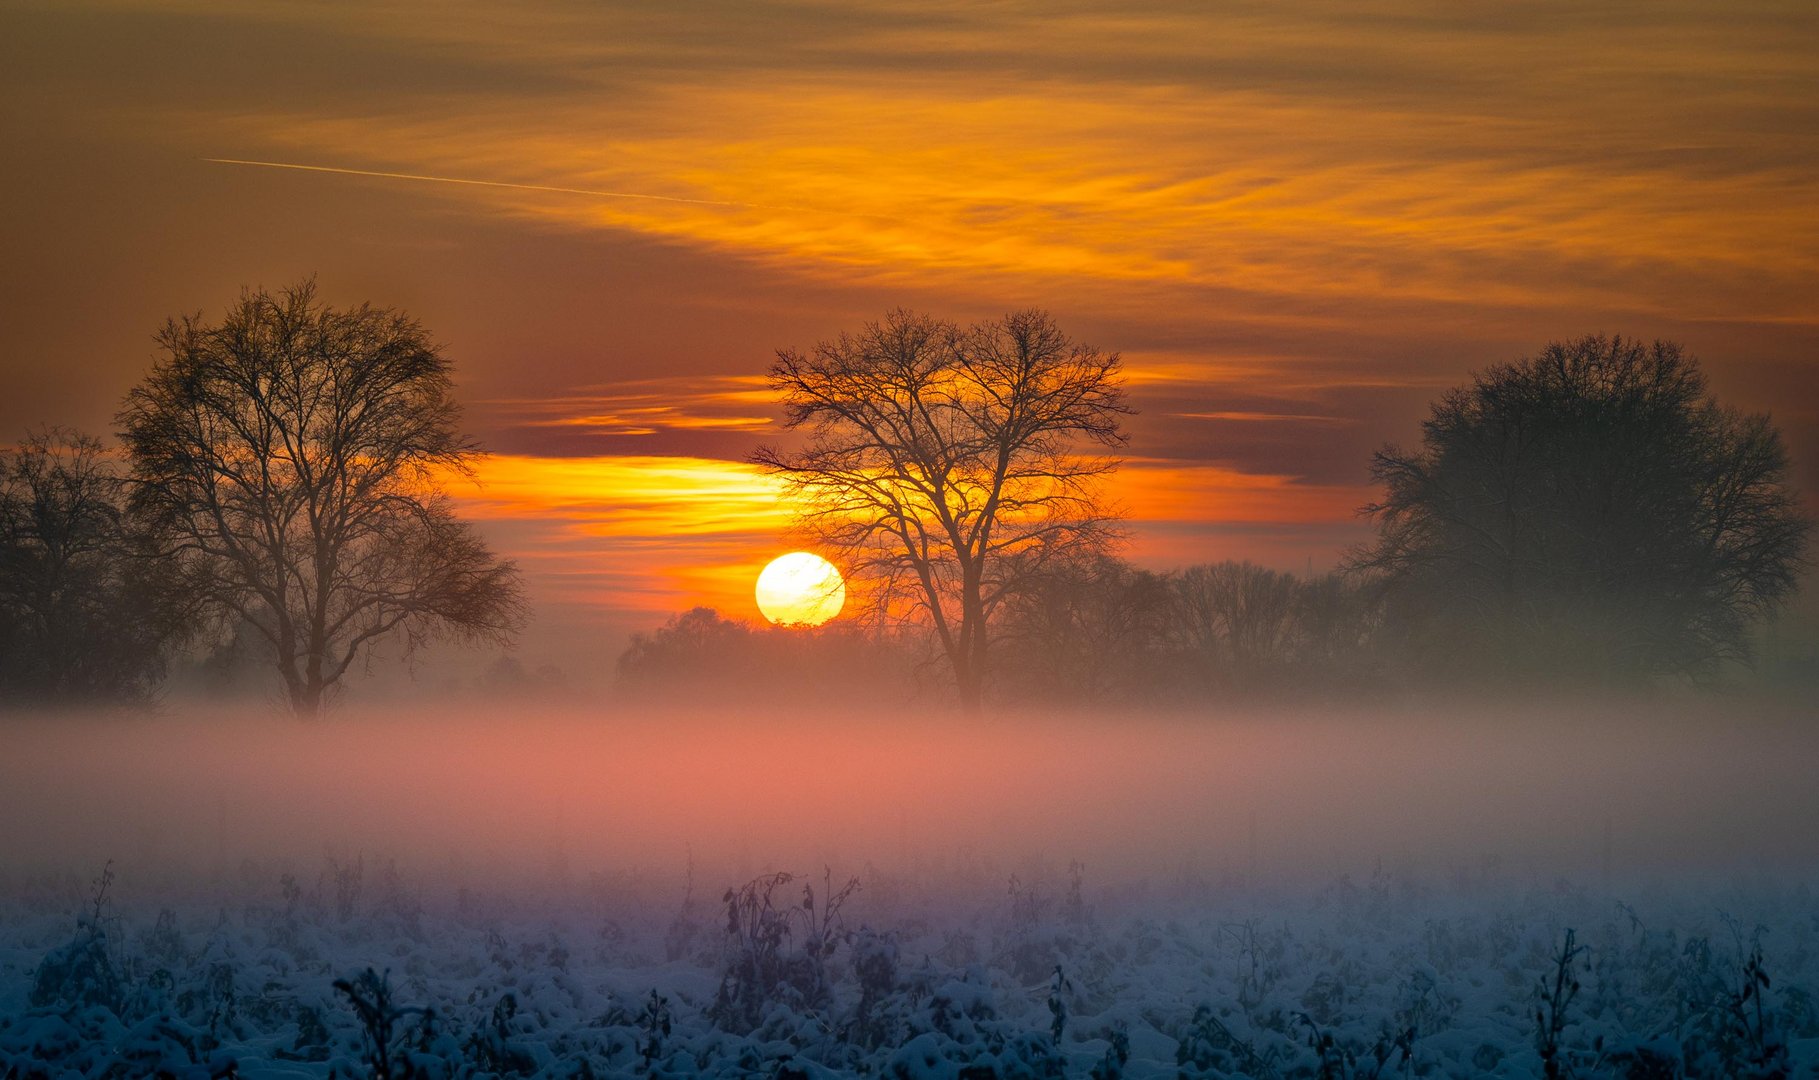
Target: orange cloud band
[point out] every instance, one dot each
(660, 534)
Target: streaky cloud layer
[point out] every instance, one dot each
(1298, 222)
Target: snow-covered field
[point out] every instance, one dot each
(1383, 976)
(1269, 898)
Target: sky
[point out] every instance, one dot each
(1297, 222)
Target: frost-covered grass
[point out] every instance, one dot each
(353, 969)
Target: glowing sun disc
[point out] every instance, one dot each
(800, 589)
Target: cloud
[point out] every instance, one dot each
(632, 408)
(1298, 221)
(590, 192)
(1320, 152)
(636, 536)
(1248, 193)
(1264, 417)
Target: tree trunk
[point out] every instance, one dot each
(972, 693)
(969, 665)
(306, 700)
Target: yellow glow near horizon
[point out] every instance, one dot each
(800, 589)
(649, 496)
(657, 534)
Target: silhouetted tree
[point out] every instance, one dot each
(1591, 509)
(1237, 613)
(1088, 628)
(86, 614)
(948, 465)
(697, 642)
(508, 675)
(289, 459)
(701, 654)
(1337, 622)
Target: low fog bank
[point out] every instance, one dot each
(1621, 796)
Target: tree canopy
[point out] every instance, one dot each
(87, 614)
(289, 459)
(1591, 509)
(949, 465)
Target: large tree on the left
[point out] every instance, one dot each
(291, 460)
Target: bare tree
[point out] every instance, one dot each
(947, 465)
(1087, 629)
(289, 459)
(1337, 619)
(1237, 612)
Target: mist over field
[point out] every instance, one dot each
(1427, 883)
(1605, 791)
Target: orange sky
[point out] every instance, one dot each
(1297, 221)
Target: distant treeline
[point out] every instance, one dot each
(1103, 630)
(1111, 632)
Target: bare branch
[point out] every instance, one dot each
(949, 459)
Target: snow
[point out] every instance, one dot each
(236, 976)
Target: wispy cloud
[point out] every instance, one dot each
(638, 535)
(1310, 151)
(469, 182)
(648, 407)
(1298, 220)
(1241, 192)
(1265, 417)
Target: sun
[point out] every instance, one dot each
(800, 589)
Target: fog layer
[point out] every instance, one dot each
(1622, 794)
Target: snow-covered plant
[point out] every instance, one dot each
(1555, 996)
(162, 945)
(654, 1027)
(312, 1042)
(1259, 962)
(821, 926)
(756, 930)
(1117, 1055)
(1341, 1062)
(1029, 947)
(1425, 1009)
(493, 1048)
(1762, 1052)
(213, 1002)
(1058, 987)
(874, 961)
(369, 994)
(763, 963)
(83, 973)
(1208, 1048)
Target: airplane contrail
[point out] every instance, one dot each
(491, 183)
